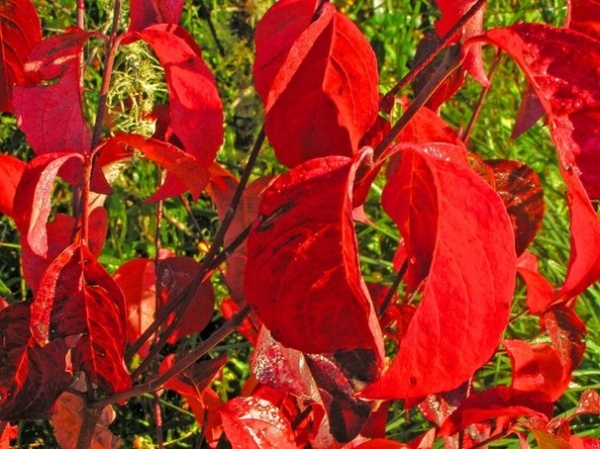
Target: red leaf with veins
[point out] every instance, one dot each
(303, 274)
(49, 108)
(11, 170)
(20, 31)
(252, 424)
(196, 112)
(189, 172)
(31, 378)
(144, 13)
(496, 402)
(561, 67)
(471, 274)
(77, 296)
(334, 68)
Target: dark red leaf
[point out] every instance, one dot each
(144, 13)
(537, 368)
(566, 331)
(332, 64)
(496, 402)
(31, 377)
(584, 16)
(49, 107)
(303, 274)
(382, 443)
(252, 424)
(522, 194)
(183, 166)
(20, 31)
(11, 170)
(471, 265)
(77, 296)
(530, 111)
(196, 112)
(138, 279)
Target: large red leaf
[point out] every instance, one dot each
(49, 107)
(252, 424)
(468, 292)
(334, 68)
(31, 378)
(196, 112)
(78, 297)
(496, 402)
(20, 31)
(11, 170)
(561, 68)
(144, 13)
(303, 274)
(192, 175)
(584, 16)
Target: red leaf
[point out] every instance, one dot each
(77, 296)
(303, 273)
(11, 170)
(334, 67)
(185, 167)
(149, 12)
(31, 378)
(566, 331)
(589, 402)
(584, 16)
(49, 107)
(137, 280)
(20, 31)
(546, 440)
(561, 67)
(252, 424)
(467, 296)
(537, 368)
(496, 402)
(540, 293)
(195, 109)
(576, 442)
(382, 443)
(34, 192)
(522, 194)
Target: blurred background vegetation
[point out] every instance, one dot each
(224, 30)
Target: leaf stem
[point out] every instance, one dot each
(91, 416)
(182, 364)
(450, 63)
(467, 131)
(393, 288)
(413, 72)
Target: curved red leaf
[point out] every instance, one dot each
(334, 67)
(303, 274)
(49, 107)
(496, 402)
(20, 31)
(31, 378)
(561, 67)
(186, 168)
(77, 296)
(467, 295)
(195, 107)
(540, 293)
(144, 13)
(11, 170)
(252, 424)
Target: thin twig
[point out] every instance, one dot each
(467, 132)
(393, 288)
(182, 364)
(211, 27)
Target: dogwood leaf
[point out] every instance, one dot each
(470, 269)
(144, 13)
(331, 63)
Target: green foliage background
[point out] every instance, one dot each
(224, 30)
